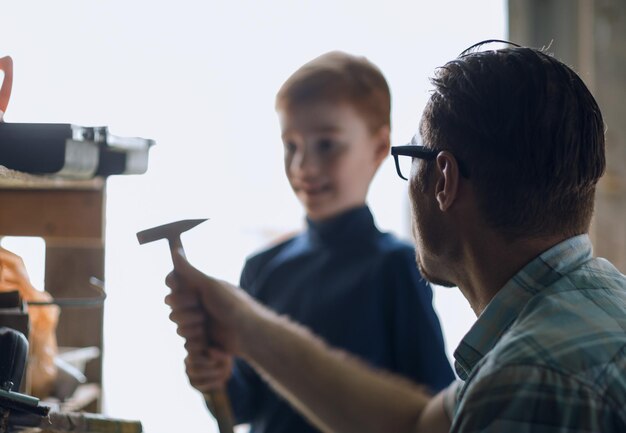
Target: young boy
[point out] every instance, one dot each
(349, 283)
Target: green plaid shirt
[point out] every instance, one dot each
(548, 354)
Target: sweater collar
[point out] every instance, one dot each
(354, 225)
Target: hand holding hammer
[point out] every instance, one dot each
(217, 399)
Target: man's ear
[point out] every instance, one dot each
(382, 143)
(447, 187)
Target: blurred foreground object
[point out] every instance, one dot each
(6, 66)
(42, 371)
(71, 151)
(65, 150)
(22, 412)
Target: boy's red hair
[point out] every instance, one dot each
(340, 77)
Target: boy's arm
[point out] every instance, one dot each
(335, 391)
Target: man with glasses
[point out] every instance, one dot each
(502, 190)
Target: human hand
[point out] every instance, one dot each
(209, 371)
(209, 313)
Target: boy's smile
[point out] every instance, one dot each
(330, 156)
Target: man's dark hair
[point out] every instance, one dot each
(530, 133)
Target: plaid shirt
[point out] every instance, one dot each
(548, 354)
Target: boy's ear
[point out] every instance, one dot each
(382, 141)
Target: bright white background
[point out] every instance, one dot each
(200, 79)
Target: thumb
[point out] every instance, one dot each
(185, 271)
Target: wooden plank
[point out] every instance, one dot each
(610, 63)
(75, 214)
(68, 269)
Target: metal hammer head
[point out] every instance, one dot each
(167, 231)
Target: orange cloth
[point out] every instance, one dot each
(41, 370)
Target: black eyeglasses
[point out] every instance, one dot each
(417, 151)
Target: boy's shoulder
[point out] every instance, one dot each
(390, 244)
(259, 258)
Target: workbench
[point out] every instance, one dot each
(69, 215)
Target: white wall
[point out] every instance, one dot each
(200, 79)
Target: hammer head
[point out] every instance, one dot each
(167, 231)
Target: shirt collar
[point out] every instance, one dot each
(506, 305)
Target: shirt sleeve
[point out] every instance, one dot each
(450, 398)
(418, 344)
(533, 399)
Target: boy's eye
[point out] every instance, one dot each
(290, 146)
(325, 146)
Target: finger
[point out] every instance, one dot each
(198, 376)
(208, 386)
(204, 369)
(196, 347)
(205, 377)
(206, 361)
(181, 299)
(187, 316)
(218, 354)
(172, 281)
(193, 333)
(188, 274)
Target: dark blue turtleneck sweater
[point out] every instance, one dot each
(358, 289)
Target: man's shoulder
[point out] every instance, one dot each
(570, 337)
(577, 326)
(558, 353)
(535, 397)
(546, 371)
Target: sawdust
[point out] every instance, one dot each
(17, 179)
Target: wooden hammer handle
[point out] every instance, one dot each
(219, 405)
(217, 400)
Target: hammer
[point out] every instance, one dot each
(217, 399)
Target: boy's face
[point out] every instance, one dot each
(330, 156)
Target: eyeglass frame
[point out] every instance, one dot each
(421, 152)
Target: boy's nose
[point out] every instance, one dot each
(305, 162)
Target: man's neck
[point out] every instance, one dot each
(490, 261)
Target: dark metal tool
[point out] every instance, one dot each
(218, 399)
